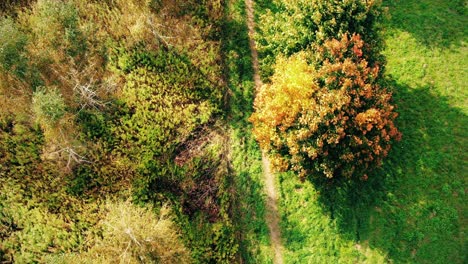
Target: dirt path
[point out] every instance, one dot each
(253, 48)
(272, 215)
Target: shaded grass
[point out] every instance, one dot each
(312, 234)
(410, 211)
(417, 58)
(422, 215)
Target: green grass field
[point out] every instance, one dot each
(413, 209)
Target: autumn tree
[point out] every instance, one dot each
(326, 114)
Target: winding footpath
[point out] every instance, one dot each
(272, 215)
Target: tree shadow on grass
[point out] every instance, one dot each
(439, 23)
(238, 68)
(413, 207)
(246, 167)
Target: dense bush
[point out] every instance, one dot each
(290, 26)
(20, 149)
(334, 119)
(29, 231)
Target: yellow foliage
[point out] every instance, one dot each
(295, 84)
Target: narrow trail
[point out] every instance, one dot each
(272, 215)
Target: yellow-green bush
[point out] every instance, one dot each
(29, 231)
(164, 100)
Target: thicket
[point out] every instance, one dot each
(113, 99)
(327, 111)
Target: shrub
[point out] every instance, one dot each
(48, 107)
(59, 129)
(165, 102)
(20, 149)
(335, 119)
(28, 230)
(294, 25)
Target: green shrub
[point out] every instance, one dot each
(12, 48)
(48, 106)
(20, 149)
(94, 125)
(160, 118)
(61, 141)
(333, 121)
(164, 101)
(28, 230)
(290, 26)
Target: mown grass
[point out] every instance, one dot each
(413, 209)
(245, 154)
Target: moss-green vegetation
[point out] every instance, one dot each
(119, 99)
